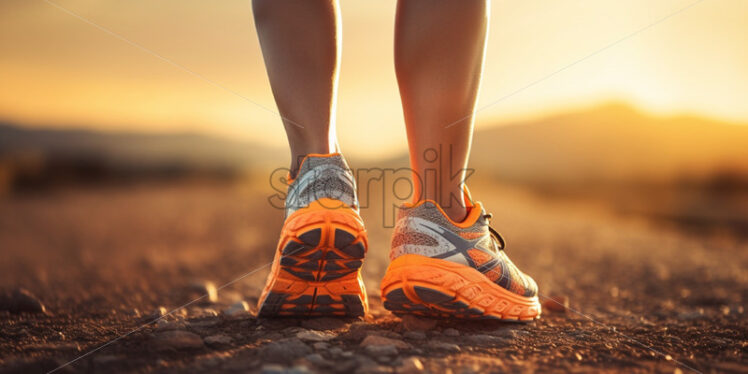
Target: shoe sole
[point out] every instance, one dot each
(317, 267)
(425, 286)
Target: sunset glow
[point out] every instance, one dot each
(197, 67)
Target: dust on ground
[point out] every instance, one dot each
(104, 262)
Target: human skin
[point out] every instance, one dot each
(439, 51)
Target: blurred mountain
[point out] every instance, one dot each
(611, 143)
(139, 148)
(32, 158)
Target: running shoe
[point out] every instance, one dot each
(442, 268)
(317, 265)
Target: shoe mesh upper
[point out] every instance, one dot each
(321, 177)
(424, 230)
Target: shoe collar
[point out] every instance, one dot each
(290, 179)
(474, 208)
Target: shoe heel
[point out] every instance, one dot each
(318, 268)
(425, 286)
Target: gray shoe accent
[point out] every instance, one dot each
(424, 230)
(322, 177)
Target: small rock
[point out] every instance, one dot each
(321, 346)
(218, 340)
(206, 290)
(691, 315)
(451, 332)
(410, 365)
(335, 351)
(21, 300)
(300, 369)
(237, 309)
(414, 335)
(317, 359)
(357, 331)
(415, 323)
(508, 333)
(368, 366)
(204, 323)
(164, 325)
(556, 303)
(104, 359)
(376, 340)
(292, 330)
(324, 323)
(153, 316)
(176, 340)
(381, 350)
(314, 336)
(443, 346)
(202, 313)
(272, 369)
(485, 339)
(285, 350)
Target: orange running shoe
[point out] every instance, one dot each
(442, 268)
(317, 265)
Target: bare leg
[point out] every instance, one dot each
(439, 49)
(299, 40)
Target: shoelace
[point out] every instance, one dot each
(498, 239)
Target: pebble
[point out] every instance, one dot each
(415, 323)
(204, 323)
(451, 332)
(237, 309)
(376, 340)
(206, 289)
(324, 323)
(381, 350)
(368, 366)
(691, 315)
(152, 316)
(410, 365)
(164, 325)
(508, 333)
(357, 331)
(443, 346)
(176, 340)
(485, 339)
(272, 369)
(285, 350)
(335, 351)
(104, 359)
(414, 335)
(278, 369)
(218, 340)
(321, 346)
(314, 336)
(317, 359)
(556, 303)
(203, 313)
(21, 300)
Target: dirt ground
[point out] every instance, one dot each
(642, 297)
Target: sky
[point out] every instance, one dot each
(188, 65)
